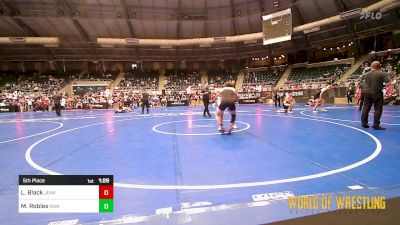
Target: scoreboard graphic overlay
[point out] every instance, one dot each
(66, 194)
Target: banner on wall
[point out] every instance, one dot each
(249, 101)
(96, 106)
(177, 103)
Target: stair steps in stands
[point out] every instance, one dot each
(284, 77)
(354, 67)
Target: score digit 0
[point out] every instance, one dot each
(106, 192)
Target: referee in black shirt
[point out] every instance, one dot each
(145, 102)
(57, 103)
(373, 84)
(206, 102)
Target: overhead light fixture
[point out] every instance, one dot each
(17, 39)
(107, 45)
(166, 46)
(132, 41)
(315, 29)
(337, 48)
(51, 45)
(350, 14)
(205, 45)
(250, 42)
(219, 39)
(324, 49)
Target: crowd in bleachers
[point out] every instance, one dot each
(390, 65)
(312, 78)
(100, 75)
(18, 101)
(140, 80)
(31, 91)
(217, 78)
(257, 80)
(183, 86)
(179, 82)
(33, 82)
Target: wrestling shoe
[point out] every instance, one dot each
(221, 129)
(378, 128)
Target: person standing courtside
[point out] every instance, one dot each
(145, 102)
(349, 95)
(57, 103)
(360, 95)
(206, 102)
(374, 81)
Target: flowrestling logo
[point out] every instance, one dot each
(371, 15)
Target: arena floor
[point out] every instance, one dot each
(175, 156)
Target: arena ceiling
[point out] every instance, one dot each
(79, 22)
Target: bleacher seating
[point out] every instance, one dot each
(217, 78)
(181, 81)
(390, 65)
(33, 82)
(268, 77)
(316, 75)
(95, 75)
(140, 80)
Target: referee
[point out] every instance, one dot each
(374, 81)
(57, 103)
(206, 102)
(145, 102)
